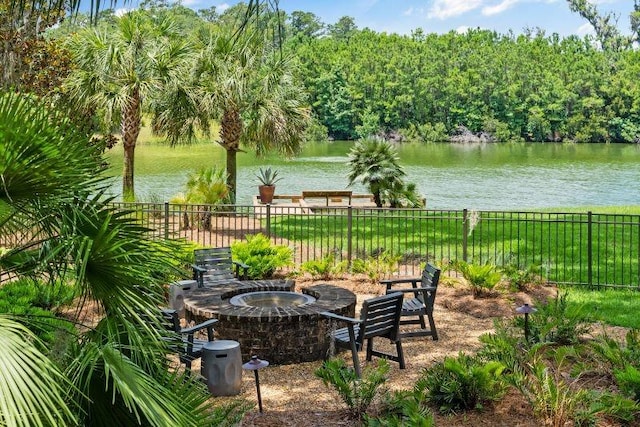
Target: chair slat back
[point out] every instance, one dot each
(430, 278)
(217, 262)
(381, 317)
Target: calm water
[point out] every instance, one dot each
(450, 176)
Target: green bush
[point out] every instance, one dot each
(261, 256)
(521, 279)
(628, 380)
(462, 383)
(402, 408)
(481, 278)
(556, 322)
(26, 293)
(356, 393)
(324, 268)
(376, 268)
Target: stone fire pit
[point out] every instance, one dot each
(289, 330)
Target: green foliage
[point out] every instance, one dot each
(370, 124)
(618, 407)
(25, 293)
(402, 408)
(356, 393)
(629, 381)
(267, 176)
(521, 279)
(617, 354)
(207, 186)
(377, 268)
(324, 268)
(555, 321)
(552, 398)
(481, 278)
(462, 383)
(262, 257)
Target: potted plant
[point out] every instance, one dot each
(267, 187)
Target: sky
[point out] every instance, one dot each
(441, 16)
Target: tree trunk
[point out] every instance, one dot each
(230, 132)
(131, 122)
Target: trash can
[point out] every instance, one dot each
(176, 294)
(222, 367)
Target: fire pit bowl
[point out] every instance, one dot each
(269, 319)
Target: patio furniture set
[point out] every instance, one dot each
(268, 318)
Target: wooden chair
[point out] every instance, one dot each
(379, 317)
(187, 346)
(420, 304)
(214, 266)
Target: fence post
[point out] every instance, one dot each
(349, 234)
(166, 220)
(589, 250)
(465, 234)
(268, 226)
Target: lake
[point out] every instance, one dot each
(510, 176)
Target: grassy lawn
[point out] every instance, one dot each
(611, 306)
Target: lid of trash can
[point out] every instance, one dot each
(185, 283)
(221, 345)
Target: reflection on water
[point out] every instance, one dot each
(450, 176)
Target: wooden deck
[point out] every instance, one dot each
(310, 201)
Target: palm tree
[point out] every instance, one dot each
(120, 69)
(374, 162)
(112, 373)
(250, 89)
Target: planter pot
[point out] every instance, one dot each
(266, 193)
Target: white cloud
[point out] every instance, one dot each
(222, 7)
(443, 9)
(189, 3)
(585, 29)
(462, 29)
(498, 8)
(121, 11)
(408, 12)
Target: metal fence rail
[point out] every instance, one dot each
(570, 248)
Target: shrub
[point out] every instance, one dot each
(403, 408)
(520, 279)
(376, 268)
(555, 322)
(628, 380)
(462, 383)
(324, 268)
(551, 397)
(481, 278)
(356, 393)
(261, 256)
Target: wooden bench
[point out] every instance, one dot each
(328, 195)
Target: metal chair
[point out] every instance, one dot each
(420, 305)
(379, 317)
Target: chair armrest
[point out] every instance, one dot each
(340, 318)
(244, 268)
(412, 290)
(198, 273)
(199, 326)
(390, 282)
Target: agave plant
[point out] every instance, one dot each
(268, 176)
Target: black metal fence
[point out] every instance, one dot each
(566, 248)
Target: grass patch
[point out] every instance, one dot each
(615, 307)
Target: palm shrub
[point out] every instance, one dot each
(482, 278)
(462, 383)
(521, 279)
(555, 321)
(375, 163)
(113, 373)
(402, 408)
(376, 268)
(356, 393)
(324, 268)
(262, 257)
